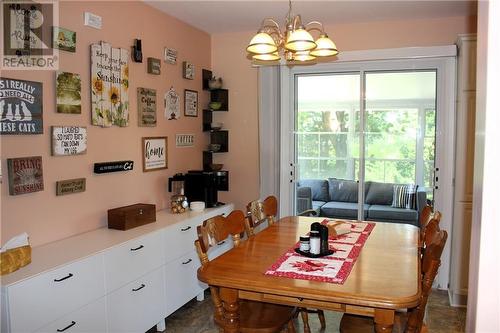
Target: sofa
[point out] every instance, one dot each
(338, 198)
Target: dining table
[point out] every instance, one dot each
(385, 276)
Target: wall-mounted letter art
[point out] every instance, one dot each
(187, 70)
(154, 153)
(190, 103)
(172, 105)
(106, 167)
(146, 105)
(69, 140)
(68, 92)
(69, 186)
(21, 107)
(25, 175)
(110, 82)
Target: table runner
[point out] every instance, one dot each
(334, 268)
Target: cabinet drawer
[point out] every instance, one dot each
(179, 239)
(139, 305)
(133, 259)
(90, 318)
(42, 299)
(181, 281)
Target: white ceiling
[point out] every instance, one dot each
(227, 16)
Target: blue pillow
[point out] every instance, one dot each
(343, 190)
(319, 188)
(380, 194)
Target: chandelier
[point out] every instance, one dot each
(295, 44)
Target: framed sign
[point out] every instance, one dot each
(70, 186)
(69, 140)
(146, 105)
(170, 56)
(172, 105)
(68, 93)
(25, 175)
(187, 70)
(21, 107)
(64, 39)
(154, 153)
(154, 66)
(190, 103)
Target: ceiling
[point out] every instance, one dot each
(230, 16)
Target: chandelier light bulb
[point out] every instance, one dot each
(303, 56)
(325, 47)
(300, 40)
(267, 57)
(262, 43)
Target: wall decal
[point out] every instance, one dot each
(146, 106)
(25, 175)
(63, 39)
(110, 83)
(172, 105)
(170, 56)
(188, 70)
(70, 186)
(154, 153)
(184, 140)
(68, 93)
(69, 140)
(21, 107)
(154, 66)
(190, 103)
(106, 167)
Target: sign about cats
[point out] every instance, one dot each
(21, 107)
(69, 140)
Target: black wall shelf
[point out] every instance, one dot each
(222, 96)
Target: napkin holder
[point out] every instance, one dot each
(13, 259)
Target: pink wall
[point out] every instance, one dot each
(47, 217)
(229, 61)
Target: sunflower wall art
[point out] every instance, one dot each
(110, 83)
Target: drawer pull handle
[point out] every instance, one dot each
(64, 278)
(137, 289)
(220, 243)
(187, 262)
(186, 229)
(137, 248)
(69, 326)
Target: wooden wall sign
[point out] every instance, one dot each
(184, 140)
(172, 105)
(187, 70)
(70, 186)
(154, 153)
(25, 175)
(146, 106)
(110, 83)
(154, 66)
(69, 140)
(170, 56)
(21, 107)
(107, 167)
(68, 93)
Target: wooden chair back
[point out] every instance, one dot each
(434, 244)
(260, 212)
(425, 216)
(425, 224)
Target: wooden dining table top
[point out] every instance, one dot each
(385, 275)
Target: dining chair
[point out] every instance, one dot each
(258, 213)
(254, 316)
(413, 320)
(436, 216)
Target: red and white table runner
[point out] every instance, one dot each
(334, 268)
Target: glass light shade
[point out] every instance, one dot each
(325, 47)
(267, 57)
(303, 56)
(300, 40)
(262, 43)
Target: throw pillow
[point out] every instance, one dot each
(380, 193)
(405, 196)
(343, 190)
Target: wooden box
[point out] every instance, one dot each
(128, 217)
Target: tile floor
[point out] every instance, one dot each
(197, 317)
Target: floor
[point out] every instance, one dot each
(197, 317)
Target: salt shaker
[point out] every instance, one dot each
(315, 242)
(304, 244)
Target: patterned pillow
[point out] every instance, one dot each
(405, 196)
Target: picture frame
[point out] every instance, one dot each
(64, 39)
(154, 153)
(190, 103)
(188, 70)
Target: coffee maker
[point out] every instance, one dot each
(204, 186)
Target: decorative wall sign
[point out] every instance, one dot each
(69, 140)
(68, 92)
(187, 70)
(70, 186)
(154, 153)
(190, 103)
(170, 56)
(184, 140)
(110, 83)
(21, 107)
(64, 39)
(154, 66)
(106, 167)
(25, 175)
(172, 105)
(146, 106)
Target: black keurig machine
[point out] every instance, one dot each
(203, 186)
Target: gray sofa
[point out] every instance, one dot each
(338, 198)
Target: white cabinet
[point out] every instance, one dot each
(108, 280)
(90, 318)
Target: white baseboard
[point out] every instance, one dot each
(458, 298)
